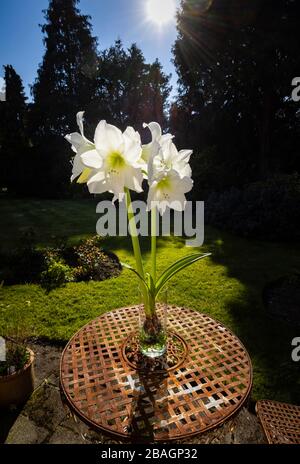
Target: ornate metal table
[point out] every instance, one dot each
(205, 377)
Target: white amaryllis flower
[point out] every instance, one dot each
(115, 161)
(80, 144)
(169, 158)
(161, 154)
(168, 190)
(152, 149)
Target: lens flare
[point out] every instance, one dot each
(161, 11)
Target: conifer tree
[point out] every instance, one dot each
(13, 138)
(66, 81)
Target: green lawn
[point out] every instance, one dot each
(227, 286)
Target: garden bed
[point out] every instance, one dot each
(56, 266)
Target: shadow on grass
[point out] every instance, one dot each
(268, 340)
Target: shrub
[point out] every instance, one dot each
(56, 274)
(16, 358)
(265, 210)
(93, 263)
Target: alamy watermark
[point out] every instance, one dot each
(2, 350)
(188, 223)
(296, 350)
(2, 90)
(296, 90)
(296, 341)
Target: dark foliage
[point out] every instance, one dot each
(236, 61)
(21, 266)
(129, 91)
(282, 298)
(266, 210)
(66, 79)
(13, 138)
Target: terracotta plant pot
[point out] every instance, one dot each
(16, 388)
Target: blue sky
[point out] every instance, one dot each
(21, 39)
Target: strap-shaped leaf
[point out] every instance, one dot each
(127, 266)
(177, 267)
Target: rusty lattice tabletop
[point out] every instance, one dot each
(203, 380)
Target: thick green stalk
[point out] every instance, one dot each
(137, 253)
(153, 243)
(134, 235)
(149, 302)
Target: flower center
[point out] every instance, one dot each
(164, 185)
(115, 162)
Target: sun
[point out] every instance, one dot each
(161, 11)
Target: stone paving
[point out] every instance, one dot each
(44, 419)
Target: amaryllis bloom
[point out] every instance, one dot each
(158, 139)
(115, 161)
(169, 158)
(161, 154)
(80, 144)
(168, 190)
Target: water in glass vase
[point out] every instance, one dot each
(153, 334)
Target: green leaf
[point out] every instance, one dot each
(130, 268)
(176, 267)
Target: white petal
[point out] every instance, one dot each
(166, 138)
(185, 185)
(146, 152)
(151, 196)
(108, 137)
(162, 207)
(133, 153)
(116, 184)
(185, 155)
(186, 171)
(79, 143)
(79, 118)
(92, 159)
(134, 179)
(167, 152)
(78, 167)
(155, 130)
(183, 169)
(75, 140)
(97, 183)
(131, 135)
(154, 156)
(178, 202)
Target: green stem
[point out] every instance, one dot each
(149, 305)
(153, 243)
(134, 235)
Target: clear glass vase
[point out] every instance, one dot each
(153, 327)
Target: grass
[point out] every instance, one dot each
(227, 286)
